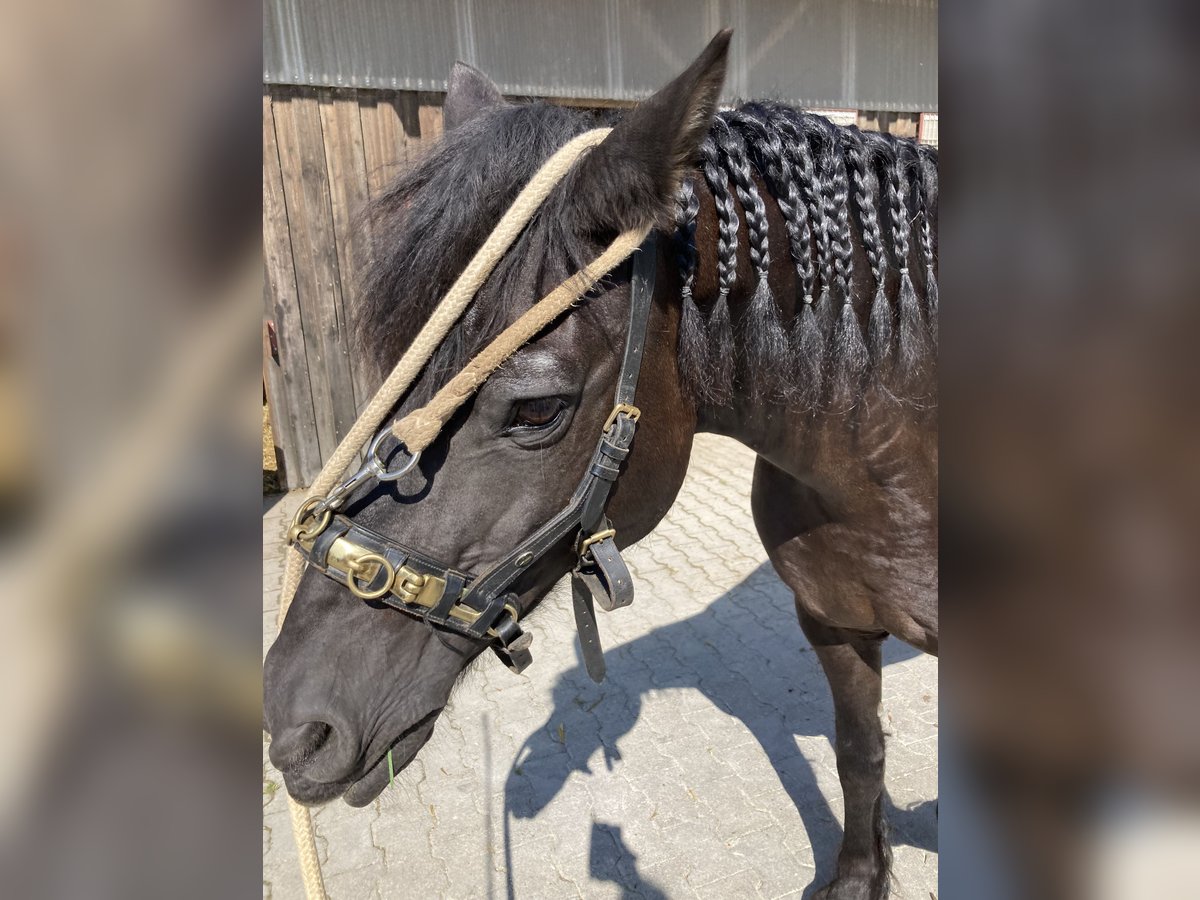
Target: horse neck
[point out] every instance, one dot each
(812, 446)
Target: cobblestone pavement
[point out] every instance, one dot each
(703, 767)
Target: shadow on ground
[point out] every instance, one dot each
(746, 654)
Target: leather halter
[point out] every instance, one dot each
(485, 608)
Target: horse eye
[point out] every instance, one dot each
(537, 413)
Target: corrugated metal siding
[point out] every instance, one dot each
(855, 54)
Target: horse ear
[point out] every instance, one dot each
(632, 178)
(468, 93)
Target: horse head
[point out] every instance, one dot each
(353, 688)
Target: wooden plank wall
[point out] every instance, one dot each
(326, 151)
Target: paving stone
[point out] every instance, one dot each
(703, 767)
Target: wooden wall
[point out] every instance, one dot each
(326, 151)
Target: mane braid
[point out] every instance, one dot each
(851, 361)
(912, 343)
(719, 323)
(926, 237)
(693, 339)
(825, 176)
(762, 335)
(860, 158)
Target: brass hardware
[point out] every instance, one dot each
(412, 587)
(358, 566)
(297, 531)
(464, 614)
(409, 584)
(417, 588)
(595, 539)
(631, 411)
(525, 559)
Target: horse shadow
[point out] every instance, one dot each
(744, 653)
(610, 859)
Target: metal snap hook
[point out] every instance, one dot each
(379, 467)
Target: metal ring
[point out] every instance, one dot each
(298, 530)
(378, 465)
(357, 564)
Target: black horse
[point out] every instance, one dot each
(795, 311)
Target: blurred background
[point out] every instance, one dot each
(1070, 406)
(132, 395)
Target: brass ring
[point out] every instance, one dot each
(357, 565)
(298, 529)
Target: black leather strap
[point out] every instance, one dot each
(585, 627)
(645, 270)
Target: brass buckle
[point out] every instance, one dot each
(596, 538)
(631, 411)
(359, 565)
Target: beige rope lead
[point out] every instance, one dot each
(450, 308)
(419, 428)
(447, 312)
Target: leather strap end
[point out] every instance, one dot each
(517, 661)
(585, 625)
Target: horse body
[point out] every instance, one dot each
(845, 486)
(845, 503)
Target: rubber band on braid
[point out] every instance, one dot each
(720, 328)
(693, 337)
(762, 334)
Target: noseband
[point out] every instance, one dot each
(487, 608)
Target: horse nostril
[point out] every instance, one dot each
(291, 747)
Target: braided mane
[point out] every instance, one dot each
(832, 186)
(841, 194)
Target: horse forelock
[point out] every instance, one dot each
(429, 223)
